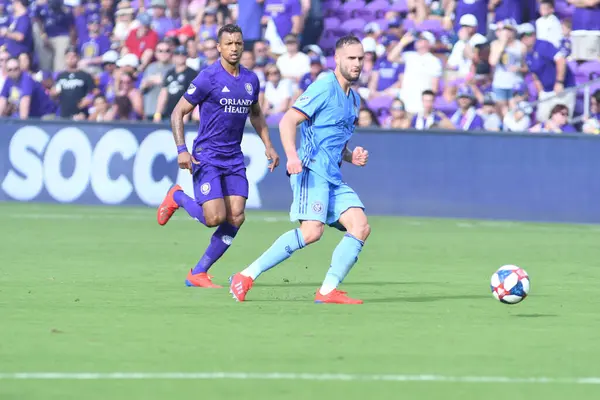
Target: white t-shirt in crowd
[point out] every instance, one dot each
(549, 29)
(296, 66)
(278, 94)
(419, 71)
(457, 59)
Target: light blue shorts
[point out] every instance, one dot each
(316, 199)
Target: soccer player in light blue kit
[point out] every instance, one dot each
(328, 112)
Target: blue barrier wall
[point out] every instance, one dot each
(518, 177)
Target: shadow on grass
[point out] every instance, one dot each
(535, 315)
(318, 284)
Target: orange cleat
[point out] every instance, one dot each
(335, 297)
(202, 280)
(240, 285)
(168, 206)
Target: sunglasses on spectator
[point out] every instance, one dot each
(397, 108)
(163, 50)
(12, 69)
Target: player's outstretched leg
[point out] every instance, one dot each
(282, 249)
(344, 257)
(168, 206)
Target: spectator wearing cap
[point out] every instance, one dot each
(249, 14)
(24, 95)
(316, 69)
(507, 58)
(106, 79)
(74, 87)
(386, 79)
(548, 25)
(93, 46)
(460, 61)
(429, 117)
(557, 121)
(142, 41)
(124, 23)
(19, 35)
(550, 71)
(398, 118)
(54, 25)
(395, 27)
(293, 63)
(285, 14)
(422, 69)
(466, 117)
(477, 8)
(154, 76)
(278, 92)
(517, 118)
(161, 24)
(175, 84)
(489, 114)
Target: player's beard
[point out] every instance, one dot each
(348, 75)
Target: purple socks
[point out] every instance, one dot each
(190, 205)
(219, 243)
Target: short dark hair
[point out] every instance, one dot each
(428, 93)
(559, 108)
(549, 2)
(229, 28)
(346, 41)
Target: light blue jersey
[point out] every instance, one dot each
(319, 192)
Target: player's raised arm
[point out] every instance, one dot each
(257, 119)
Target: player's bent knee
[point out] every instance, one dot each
(311, 231)
(236, 220)
(214, 219)
(361, 230)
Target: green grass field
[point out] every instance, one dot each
(101, 290)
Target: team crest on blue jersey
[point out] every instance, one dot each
(317, 207)
(248, 88)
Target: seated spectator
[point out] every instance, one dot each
(99, 109)
(517, 118)
(466, 117)
(278, 92)
(422, 69)
(106, 79)
(22, 96)
(122, 110)
(73, 88)
(489, 113)
(153, 79)
(557, 123)
(386, 78)
(293, 64)
(25, 63)
(92, 47)
(507, 57)
(398, 118)
(5, 20)
(551, 73)
(430, 118)
(595, 105)
(142, 41)
(367, 119)
(548, 26)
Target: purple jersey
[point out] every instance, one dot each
(509, 9)
(479, 8)
(587, 18)
(14, 91)
(20, 24)
(224, 102)
(4, 23)
(282, 11)
(467, 121)
(540, 61)
(56, 21)
(93, 47)
(389, 73)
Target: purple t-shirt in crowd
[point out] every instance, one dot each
(479, 8)
(389, 73)
(57, 22)
(282, 11)
(420, 121)
(41, 104)
(467, 121)
(509, 9)
(163, 25)
(5, 20)
(207, 32)
(93, 47)
(250, 13)
(224, 102)
(587, 18)
(540, 61)
(20, 24)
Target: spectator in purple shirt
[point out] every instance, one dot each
(558, 122)
(19, 35)
(466, 117)
(208, 28)
(286, 15)
(24, 97)
(4, 20)
(106, 80)
(55, 23)
(161, 24)
(93, 46)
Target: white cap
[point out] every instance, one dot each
(110, 56)
(526, 29)
(72, 3)
(314, 48)
(369, 44)
(128, 60)
(468, 20)
(430, 37)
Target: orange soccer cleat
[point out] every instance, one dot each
(168, 206)
(202, 280)
(240, 285)
(335, 297)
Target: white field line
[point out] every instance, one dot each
(288, 376)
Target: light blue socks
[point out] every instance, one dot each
(344, 257)
(281, 250)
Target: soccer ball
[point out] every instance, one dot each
(510, 284)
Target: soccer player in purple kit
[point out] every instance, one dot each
(226, 93)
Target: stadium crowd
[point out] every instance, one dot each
(456, 64)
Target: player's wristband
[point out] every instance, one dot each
(182, 149)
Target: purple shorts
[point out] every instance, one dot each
(212, 182)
